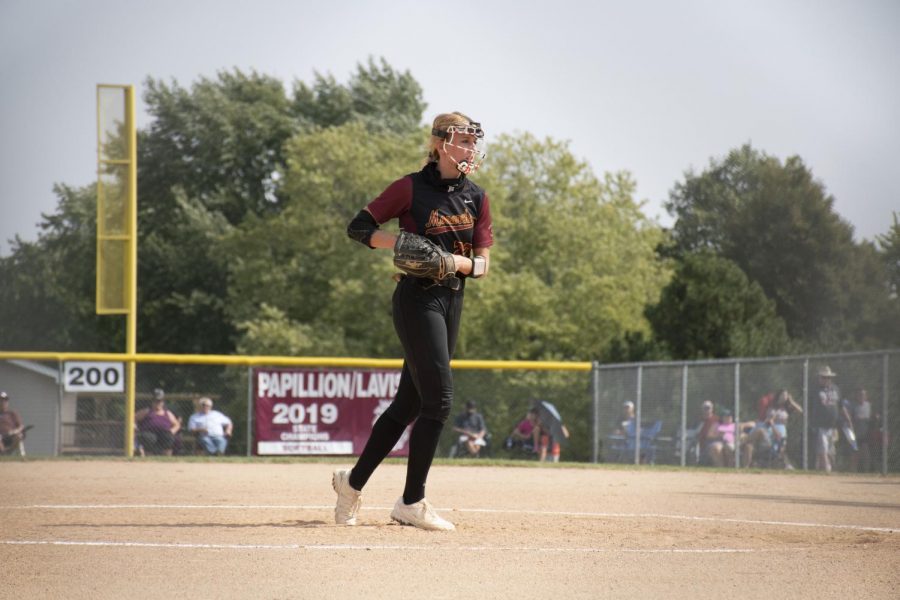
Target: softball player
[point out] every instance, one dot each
(452, 214)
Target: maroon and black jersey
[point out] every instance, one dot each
(452, 213)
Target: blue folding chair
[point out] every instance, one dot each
(622, 447)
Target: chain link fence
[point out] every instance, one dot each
(667, 399)
(93, 423)
(668, 403)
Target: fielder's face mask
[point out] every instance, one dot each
(455, 136)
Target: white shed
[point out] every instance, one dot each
(35, 393)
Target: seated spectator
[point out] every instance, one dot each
(620, 427)
(471, 429)
(212, 428)
(708, 422)
(768, 439)
(722, 438)
(758, 443)
(525, 435)
(12, 431)
(156, 427)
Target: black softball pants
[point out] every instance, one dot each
(426, 318)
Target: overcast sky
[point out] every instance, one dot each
(652, 87)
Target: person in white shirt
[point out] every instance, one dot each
(211, 427)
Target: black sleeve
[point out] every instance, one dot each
(362, 227)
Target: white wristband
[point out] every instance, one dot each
(479, 266)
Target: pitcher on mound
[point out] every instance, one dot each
(445, 239)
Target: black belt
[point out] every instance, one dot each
(453, 283)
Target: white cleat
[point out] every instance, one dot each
(421, 515)
(348, 499)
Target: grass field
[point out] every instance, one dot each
(247, 529)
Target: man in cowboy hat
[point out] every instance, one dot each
(824, 415)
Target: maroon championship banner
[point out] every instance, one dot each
(320, 411)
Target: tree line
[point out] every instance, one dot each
(245, 190)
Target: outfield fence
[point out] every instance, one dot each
(667, 399)
(669, 396)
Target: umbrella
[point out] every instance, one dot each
(847, 428)
(850, 436)
(551, 420)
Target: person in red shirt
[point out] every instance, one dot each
(762, 406)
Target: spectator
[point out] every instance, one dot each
(701, 433)
(722, 439)
(212, 428)
(758, 441)
(769, 436)
(762, 406)
(12, 431)
(620, 427)
(525, 435)
(552, 431)
(861, 411)
(156, 426)
(785, 406)
(753, 442)
(825, 410)
(471, 429)
(621, 436)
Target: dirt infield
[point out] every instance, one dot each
(117, 529)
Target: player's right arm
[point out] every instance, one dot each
(393, 201)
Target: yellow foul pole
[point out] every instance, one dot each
(131, 272)
(117, 225)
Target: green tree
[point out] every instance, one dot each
(711, 309)
(574, 264)
(209, 159)
(776, 222)
(878, 266)
(376, 95)
(215, 158)
(212, 158)
(301, 264)
(221, 143)
(47, 298)
(889, 244)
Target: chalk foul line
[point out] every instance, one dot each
(387, 547)
(548, 513)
